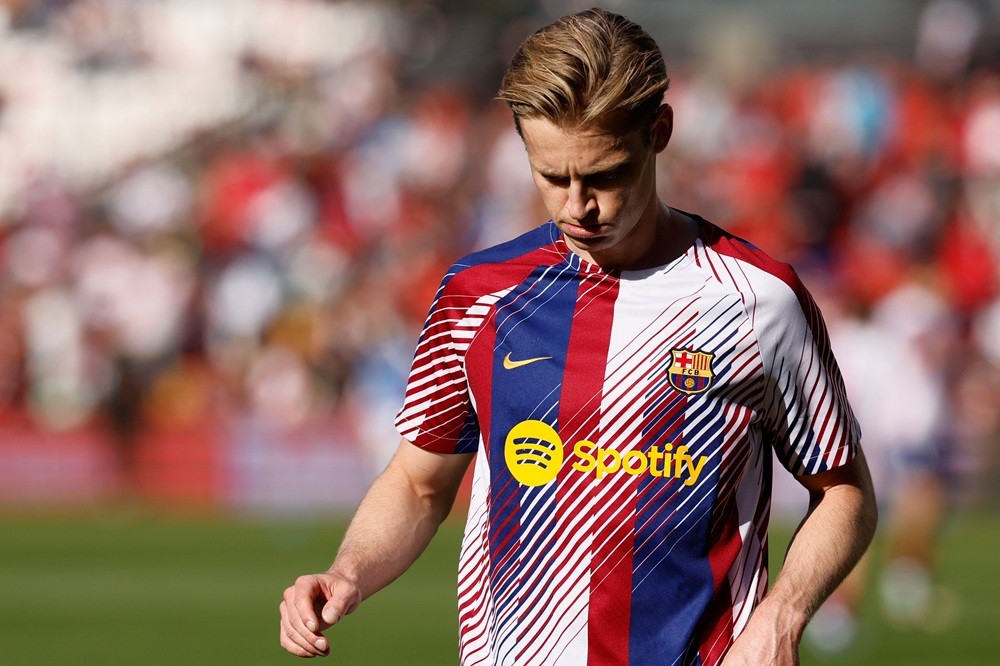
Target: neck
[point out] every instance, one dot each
(661, 240)
(653, 244)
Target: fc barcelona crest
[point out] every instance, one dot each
(690, 371)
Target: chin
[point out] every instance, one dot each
(592, 243)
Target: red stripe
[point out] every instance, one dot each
(717, 623)
(579, 418)
(479, 370)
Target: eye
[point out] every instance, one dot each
(558, 181)
(608, 177)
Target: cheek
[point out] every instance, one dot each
(553, 198)
(634, 199)
(614, 205)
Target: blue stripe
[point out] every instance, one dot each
(672, 578)
(524, 244)
(532, 321)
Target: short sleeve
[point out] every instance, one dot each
(807, 416)
(437, 413)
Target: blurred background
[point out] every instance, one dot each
(221, 225)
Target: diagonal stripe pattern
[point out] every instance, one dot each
(648, 543)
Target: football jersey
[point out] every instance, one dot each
(624, 422)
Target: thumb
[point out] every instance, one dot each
(332, 612)
(344, 598)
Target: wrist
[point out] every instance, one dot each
(788, 619)
(348, 575)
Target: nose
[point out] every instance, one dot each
(580, 202)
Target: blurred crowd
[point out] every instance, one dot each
(273, 257)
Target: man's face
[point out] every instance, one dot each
(598, 185)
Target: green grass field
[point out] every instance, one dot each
(131, 588)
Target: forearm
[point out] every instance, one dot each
(828, 543)
(397, 518)
(395, 521)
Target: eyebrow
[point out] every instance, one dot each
(602, 170)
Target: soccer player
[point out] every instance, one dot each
(620, 375)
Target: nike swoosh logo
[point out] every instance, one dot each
(510, 365)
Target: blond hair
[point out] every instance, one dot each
(585, 68)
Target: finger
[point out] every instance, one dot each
(291, 638)
(301, 601)
(344, 598)
(302, 646)
(292, 643)
(293, 629)
(304, 597)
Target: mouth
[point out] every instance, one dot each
(581, 232)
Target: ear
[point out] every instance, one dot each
(663, 127)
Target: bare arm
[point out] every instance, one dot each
(396, 520)
(827, 544)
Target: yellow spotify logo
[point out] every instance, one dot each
(533, 452)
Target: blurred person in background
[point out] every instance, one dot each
(918, 450)
(623, 372)
(908, 338)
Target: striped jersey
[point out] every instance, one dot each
(624, 422)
